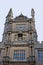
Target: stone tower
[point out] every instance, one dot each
(19, 38)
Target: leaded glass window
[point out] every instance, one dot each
(40, 54)
(19, 54)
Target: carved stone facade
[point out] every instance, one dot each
(19, 45)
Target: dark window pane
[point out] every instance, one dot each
(19, 55)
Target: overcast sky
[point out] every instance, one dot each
(23, 6)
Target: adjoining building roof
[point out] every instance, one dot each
(39, 45)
